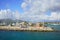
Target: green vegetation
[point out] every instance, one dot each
(40, 24)
(25, 23)
(32, 25)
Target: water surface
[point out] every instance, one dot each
(17, 35)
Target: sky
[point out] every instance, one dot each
(30, 10)
(11, 4)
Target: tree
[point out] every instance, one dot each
(40, 24)
(25, 23)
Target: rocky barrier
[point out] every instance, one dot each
(14, 28)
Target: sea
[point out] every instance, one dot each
(28, 35)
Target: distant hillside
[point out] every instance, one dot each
(9, 21)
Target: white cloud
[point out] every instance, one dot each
(17, 15)
(55, 16)
(35, 10)
(24, 5)
(9, 14)
(5, 14)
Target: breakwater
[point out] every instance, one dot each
(14, 28)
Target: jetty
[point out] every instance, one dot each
(14, 28)
(27, 27)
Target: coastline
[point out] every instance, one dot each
(14, 28)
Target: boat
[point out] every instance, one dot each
(55, 24)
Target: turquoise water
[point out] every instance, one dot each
(57, 27)
(17, 35)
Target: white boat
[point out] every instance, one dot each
(55, 24)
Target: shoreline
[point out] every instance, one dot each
(31, 30)
(9, 28)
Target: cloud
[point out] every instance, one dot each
(55, 16)
(5, 14)
(24, 5)
(35, 10)
(9, 14)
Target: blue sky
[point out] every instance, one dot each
(11, 4)
(30, 10)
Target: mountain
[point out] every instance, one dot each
(9, 21)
